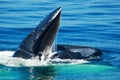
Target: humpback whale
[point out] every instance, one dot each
(40, 42)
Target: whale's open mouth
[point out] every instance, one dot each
(39, 42)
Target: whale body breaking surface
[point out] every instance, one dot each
(39, 43)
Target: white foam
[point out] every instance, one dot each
(6, 53)
(67, 61)
(7, 60)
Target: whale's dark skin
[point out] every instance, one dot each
(40, 41)
(77, 52)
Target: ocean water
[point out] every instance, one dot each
(94, 23)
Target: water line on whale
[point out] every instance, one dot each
(6, 59)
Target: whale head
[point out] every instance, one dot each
(39, 42)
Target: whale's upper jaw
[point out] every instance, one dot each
(41, 38)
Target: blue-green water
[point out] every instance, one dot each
(92, 23)
(60, 72)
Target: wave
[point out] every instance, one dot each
(6, 59)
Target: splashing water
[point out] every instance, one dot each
(6, 59)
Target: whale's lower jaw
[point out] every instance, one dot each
(23, 54)
(77, 52)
